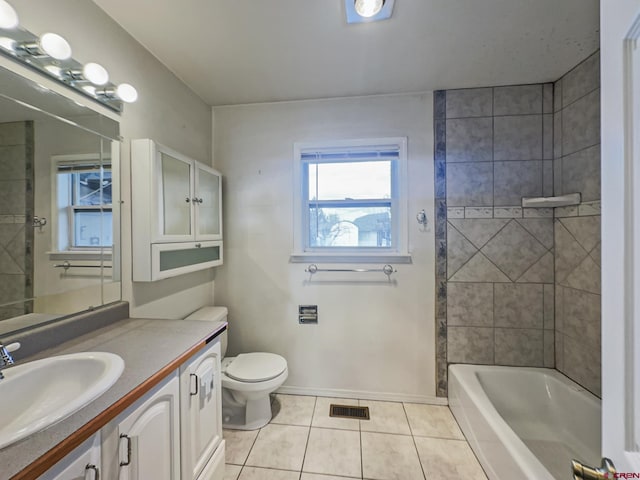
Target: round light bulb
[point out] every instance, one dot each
(95, 73)
(368, 8)
(127, 93)
(8, 44)
(8, 16)
(55, 46)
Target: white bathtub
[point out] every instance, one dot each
(525, 423)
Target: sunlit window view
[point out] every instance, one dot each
(86, 191)
(350, 202)
(92, 209)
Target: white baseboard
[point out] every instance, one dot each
(364, 395)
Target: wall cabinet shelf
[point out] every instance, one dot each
(176, 213)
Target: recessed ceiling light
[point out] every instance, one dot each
(368, 8)
(364, 11)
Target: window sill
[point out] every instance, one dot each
(80, 255)
(306, 257)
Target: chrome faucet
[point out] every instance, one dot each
(6, 360)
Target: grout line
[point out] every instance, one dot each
(304, 456)
(360, 440)
(580, 150)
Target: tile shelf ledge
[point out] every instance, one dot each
(551, 202)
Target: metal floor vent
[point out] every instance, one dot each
(349, 411)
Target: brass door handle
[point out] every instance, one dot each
(583, 472)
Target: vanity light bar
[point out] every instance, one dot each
(50, 54)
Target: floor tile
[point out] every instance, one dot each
(254, 473)
(319, 476)
(432, 421)
(239, 443)
(390, 457)
(231, 472)
(385, 417)
(293, 409)
(448, 459)
(279, 446)
(322, 419)
(334, 452)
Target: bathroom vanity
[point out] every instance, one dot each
(161, 419)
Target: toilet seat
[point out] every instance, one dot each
(254, 367)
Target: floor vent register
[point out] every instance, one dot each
(349, 411)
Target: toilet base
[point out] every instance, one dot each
(252, 415)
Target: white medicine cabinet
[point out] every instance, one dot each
(177, 213)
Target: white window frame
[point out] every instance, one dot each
(89, 253)
(398, 252)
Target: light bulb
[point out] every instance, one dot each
(368, 8)
(55, 46)
(95, 73)
(127, 93)
(8, 16)
(8, 44)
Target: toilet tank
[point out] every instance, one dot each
(213, 314)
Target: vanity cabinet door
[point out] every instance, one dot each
(200, 402)
(81, 464)
(208, 203)
(150, 437)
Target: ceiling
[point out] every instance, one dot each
(247, 51)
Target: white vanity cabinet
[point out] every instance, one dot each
(149, 436)
(83, 463)
(202, 447)
(176, 212)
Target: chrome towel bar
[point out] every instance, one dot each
(66, 265)
(387, 269)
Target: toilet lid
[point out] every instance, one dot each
(256, 367)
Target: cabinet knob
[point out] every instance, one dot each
(199, 200)
(187, 199)
(198, 245)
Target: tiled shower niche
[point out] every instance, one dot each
(16, 210)
(497, 263)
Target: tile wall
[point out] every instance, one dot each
(16, 210)
(519, 286)
(577, 229)
(498, 147)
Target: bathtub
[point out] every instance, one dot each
(525, 423)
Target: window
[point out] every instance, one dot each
(83, 204)
(352, 199)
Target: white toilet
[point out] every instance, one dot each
(247, 380)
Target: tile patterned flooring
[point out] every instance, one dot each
(402, 441)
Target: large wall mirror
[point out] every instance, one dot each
(59, 206)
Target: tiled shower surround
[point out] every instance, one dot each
(16, 210)
(577, 229)
(516, 286)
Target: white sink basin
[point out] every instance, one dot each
(37, 394)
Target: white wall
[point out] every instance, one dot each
(166, 111)
(374, 338)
